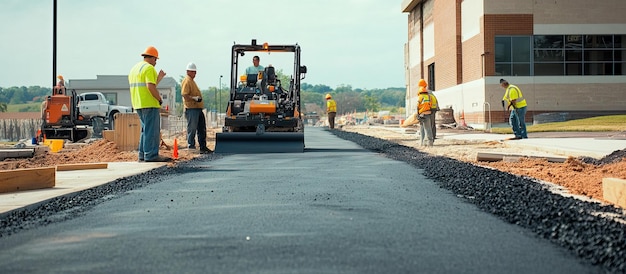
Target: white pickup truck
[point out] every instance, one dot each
(94, 106)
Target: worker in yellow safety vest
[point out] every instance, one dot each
(331, 110)
(514, 101)
(146, 100)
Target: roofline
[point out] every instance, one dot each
(409, 5)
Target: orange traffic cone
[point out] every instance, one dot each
(175, 154)
(463, 124)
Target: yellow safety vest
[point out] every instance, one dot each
(514, 93)
(331, 106)
(138, 78)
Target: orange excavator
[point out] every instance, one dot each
(61, 117)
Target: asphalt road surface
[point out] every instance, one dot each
(336, 208)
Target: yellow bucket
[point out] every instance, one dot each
(55, 144)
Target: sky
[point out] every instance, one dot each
(344, 42)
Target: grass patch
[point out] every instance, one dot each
(593, 124)
(29, 107)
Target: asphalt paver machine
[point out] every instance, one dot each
(263, 115)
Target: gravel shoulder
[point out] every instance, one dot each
(573, 177)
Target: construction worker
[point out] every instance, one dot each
(192, 100)
(60, 86)
(424, 114)
(146, 100)
(434, 106)
(331, 110)
(514, 101)
(255, 68)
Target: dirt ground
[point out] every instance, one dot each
(576, 176)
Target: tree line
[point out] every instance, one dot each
(348, 99)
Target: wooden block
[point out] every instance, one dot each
(67, 167)
(127, 131)
(614, 191)
(109, 135)
(27, 179)
(494, 157)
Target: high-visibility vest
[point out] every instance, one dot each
(138, 78)
(424, 104)
(331, 105)
(514, 93)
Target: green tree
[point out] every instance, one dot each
(3, 107)
(371, 103)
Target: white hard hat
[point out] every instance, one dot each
(191, 66)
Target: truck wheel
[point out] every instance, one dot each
(97, 124)
(112, 121)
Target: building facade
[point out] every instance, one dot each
(117, 90)
(567, 56)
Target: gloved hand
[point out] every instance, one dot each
(197, 98)
(421, 117)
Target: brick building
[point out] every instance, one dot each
(567, 56)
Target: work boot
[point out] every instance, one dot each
(205, 150)
(159, 159)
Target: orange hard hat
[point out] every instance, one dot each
(422, 83)
(151, 51)
(328, 96)
(60, 77)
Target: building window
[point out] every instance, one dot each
(111, 98)
(556, 55)
(431, 76)
(512, 54)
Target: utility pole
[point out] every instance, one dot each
(220, 89)
(54, 43)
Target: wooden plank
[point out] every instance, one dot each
(67, 167)
(614, 191)
(27, 179)
(495, 157)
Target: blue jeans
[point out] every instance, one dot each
(150, 138)
(196, 123)
(518, 123)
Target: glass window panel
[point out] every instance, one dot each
(548, 41)
(598, 41)
(543, 55)
(620, 69)
(503, 69)
(573, 41)
(598, 55)
(619, 55)
(598, 68)
(618, 41)
(549, 69)
(574, 69)
(573, 55)
(521, 49)
(521, 69)
(503, 49)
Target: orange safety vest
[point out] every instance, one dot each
(424, 104)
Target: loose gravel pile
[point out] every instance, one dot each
(594, 232)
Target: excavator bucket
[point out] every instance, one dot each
(250, 142)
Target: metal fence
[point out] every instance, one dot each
(13, 130)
